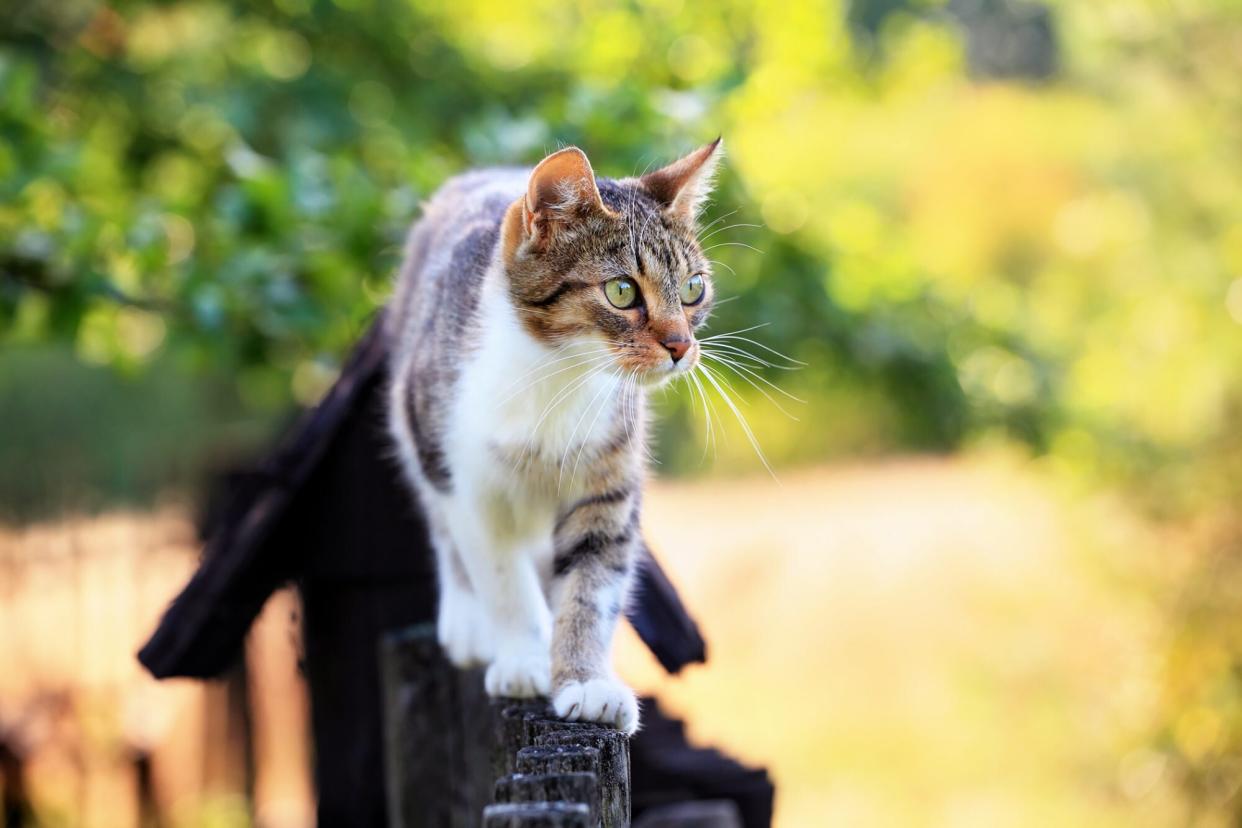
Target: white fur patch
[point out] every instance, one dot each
(463, 628)
(531, 401)
(520, 673)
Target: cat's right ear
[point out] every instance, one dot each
(684, 185)
(561, 189)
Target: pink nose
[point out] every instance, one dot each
(676, 347)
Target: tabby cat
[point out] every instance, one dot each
(535, 310)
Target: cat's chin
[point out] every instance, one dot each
(666, 373)
(657, 378)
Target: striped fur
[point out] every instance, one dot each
(518, 406)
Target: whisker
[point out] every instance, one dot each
(731, 333)
(642, 234)
(750, 435)
(725, 381)
(629, 225)
(708, 432)
(628, 405)
(570, 442)
(718, 220)
(737, 369)
(733, 338)
(583, 361)
(733, 244)
(734, 358)
(727, 227)
(566, 391)
(560, 396)
(688, 379)
(734, 350)
(715, 418)
(730, 339)
(727, 267)
(549, 360)
(637, 396)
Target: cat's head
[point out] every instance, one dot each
(614, 263)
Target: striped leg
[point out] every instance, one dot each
(595, 543)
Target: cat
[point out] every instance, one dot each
(533, 312)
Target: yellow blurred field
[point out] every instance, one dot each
(920, 643)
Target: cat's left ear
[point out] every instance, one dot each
(685, 184)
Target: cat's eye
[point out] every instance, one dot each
(692, 290)
(622, 293)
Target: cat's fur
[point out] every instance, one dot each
(518, 403)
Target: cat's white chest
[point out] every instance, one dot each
(528, 410)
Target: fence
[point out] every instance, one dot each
(456, 758)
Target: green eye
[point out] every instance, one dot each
(621, 293)
(692, 291)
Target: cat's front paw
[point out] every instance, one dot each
(606, 701)
(463, 630)
(519, 673)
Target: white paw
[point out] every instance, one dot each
(464, 630)
(599, 700)
(519, 673)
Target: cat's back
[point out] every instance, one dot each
(469, 201)
(450, 246)
(434, 313)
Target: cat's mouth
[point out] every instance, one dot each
(656, 364)
(664, 368)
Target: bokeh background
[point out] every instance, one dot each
(996, 578)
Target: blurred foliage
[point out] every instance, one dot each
(77, 436)
(981, 221)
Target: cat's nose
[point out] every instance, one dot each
(676, 347)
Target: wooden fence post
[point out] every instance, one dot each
(558, 759)
(537, 815)
(614, 765)
(449, 752)
(438, 734)
(580, 787)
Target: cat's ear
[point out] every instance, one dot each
(685, 184)
(561, 188)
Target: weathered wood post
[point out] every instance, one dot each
(511, 736)
(537, 815)
(614, 763)
(573, 761)
(449, 752)
(580, 787)
(438, 735)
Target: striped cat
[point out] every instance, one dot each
(534, 311)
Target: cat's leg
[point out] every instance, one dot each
(462, 626)
(596, 542)
(508, 590)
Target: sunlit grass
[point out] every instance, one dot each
(917, 643)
